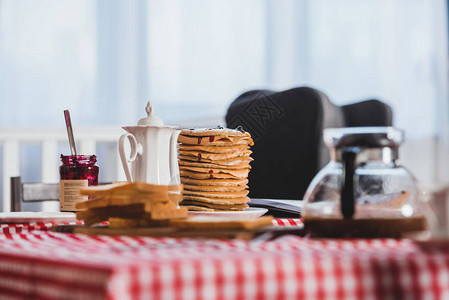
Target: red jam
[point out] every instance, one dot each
(200, 138)
(211, 139)
(79, 167)
(199, 156)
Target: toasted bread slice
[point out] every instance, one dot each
(127, 188)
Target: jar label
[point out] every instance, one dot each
(69, 193)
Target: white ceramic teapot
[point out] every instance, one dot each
(153, 156)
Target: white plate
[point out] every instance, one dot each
(248, 213)
(28, 217)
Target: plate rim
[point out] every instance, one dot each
(247, 212)
(33, 216)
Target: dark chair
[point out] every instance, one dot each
(31, 192)
(287, 128)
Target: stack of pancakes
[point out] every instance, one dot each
(214, 167)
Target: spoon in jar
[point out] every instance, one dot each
(68, 124)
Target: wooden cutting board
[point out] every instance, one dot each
(262, 233)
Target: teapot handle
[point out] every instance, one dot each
(132, 156)
(174, 166)
(347, 185)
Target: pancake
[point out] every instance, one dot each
(215, 132)
(213, 165)
(240, 173)
(213, 149)
(198, 208)
(225, 201)
(217, 195)
(211, 188)
(225, 162)
(215, 156)
(197, 175)
(214, 182)
(212, 140)
(208, 206)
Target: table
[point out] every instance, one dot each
(25, 227)
(43, 264)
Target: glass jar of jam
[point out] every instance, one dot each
(76, 172)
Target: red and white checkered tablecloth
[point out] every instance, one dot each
(25, 227)
(47, 265)
(288, 222)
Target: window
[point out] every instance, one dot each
(104, 59)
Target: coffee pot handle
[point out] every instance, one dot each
(347, 184)
(174, 166)
(132, 156)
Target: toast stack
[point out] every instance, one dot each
(131, 204)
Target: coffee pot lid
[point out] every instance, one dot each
(151, 119)
(363, 137)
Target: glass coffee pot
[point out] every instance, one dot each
(363, 191)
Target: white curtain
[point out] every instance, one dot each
(104, 59)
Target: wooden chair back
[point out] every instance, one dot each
(31, 192)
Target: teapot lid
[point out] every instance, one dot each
(151, 119)
(370, 137)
